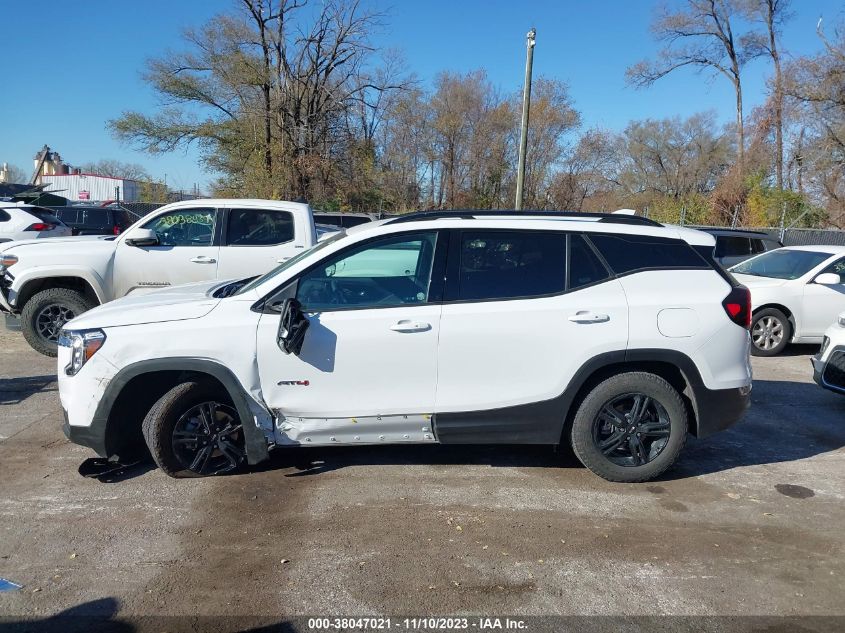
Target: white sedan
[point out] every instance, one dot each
(28, 222)
(829, 363)
(796, 293)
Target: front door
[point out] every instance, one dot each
(368, 366)
(518, 322)
(187, 252)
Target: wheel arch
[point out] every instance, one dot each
(31, 287)
(116, 426)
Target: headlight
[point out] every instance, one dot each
(83, 345)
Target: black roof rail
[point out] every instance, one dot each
(728, 229)
(469, 214)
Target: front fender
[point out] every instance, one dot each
(42, 273)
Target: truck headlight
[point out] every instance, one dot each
(83, 345)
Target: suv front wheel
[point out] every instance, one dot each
(194, 432)
(630, 427)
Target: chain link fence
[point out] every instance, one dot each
(794, 237)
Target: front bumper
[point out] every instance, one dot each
(93, 436)
(719, 409)
(830, 374)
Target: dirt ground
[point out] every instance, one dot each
(750, 522)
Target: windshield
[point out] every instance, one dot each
(293, 260)
(781, 264)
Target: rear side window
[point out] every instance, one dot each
(97, 217)
(627, 253)
(354, 220)
(45, 215)
(772, 245)
(511, 264)
(259, 227)
(757, 246)
(585, 267)
(68, 216)
(728, 246)
(4, 217)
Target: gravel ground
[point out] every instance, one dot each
(750, 522)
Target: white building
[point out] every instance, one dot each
(85, 187)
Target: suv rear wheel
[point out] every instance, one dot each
(46, 312)
(192, 432)
(630, 427)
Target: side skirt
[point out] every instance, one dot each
(380, 429)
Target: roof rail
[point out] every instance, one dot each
(469, 214)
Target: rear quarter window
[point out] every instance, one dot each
(97, 217)
(45, 215)
(4, 217)
(629, 253)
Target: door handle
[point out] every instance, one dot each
(406, 325)
(202, 259)
(585, 316)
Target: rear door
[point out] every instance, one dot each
(256, 240)
(187, 252)
(523, 311)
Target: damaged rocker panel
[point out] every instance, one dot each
(379, 429)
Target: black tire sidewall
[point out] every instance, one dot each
(633, 382)
(71, 299)
(787, 332)
(160, 421)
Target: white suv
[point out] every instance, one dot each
(612, 333)
(28, 222)
(829, 363)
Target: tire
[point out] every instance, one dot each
(664, 412)
(39, 329)
(174, 431)
(768, 323)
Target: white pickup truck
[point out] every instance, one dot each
(44, 283)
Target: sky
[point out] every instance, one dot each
(79, 64)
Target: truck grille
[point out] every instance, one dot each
(834, 372)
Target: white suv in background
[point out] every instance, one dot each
(28, 222)
(829, 363)
(611, 333)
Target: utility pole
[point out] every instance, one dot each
(526, 103)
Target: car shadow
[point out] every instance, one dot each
(800, 349)
(16, 390)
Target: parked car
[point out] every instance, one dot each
(190, 241)
(29, 222)
(343, 220)
(734, 246)
(96, 220)
(610, 333)
(829, 363)
(796, 292)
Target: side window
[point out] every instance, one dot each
(757, 246)
(584, 266)
(772, 245)
(68, 216)
(511, 264)
(259, 227)
(97, 217)
(626, 253)
(728, 246)
(185, 227)
(389, 272)
(4, 217)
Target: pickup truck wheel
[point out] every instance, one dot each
(630, 428)
(46, 312)
(192, 433)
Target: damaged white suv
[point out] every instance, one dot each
(611, 333)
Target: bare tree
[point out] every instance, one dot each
(701, 35)
(772, 13)
(16, 175)
(116, 169)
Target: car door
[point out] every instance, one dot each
(822, 303)
(256, 240)
(368, 364)
(187, 252)
(523, 312)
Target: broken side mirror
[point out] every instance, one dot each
(292, 327)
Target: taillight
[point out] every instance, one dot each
(40, 226)
(738, 306)
(115, 230)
